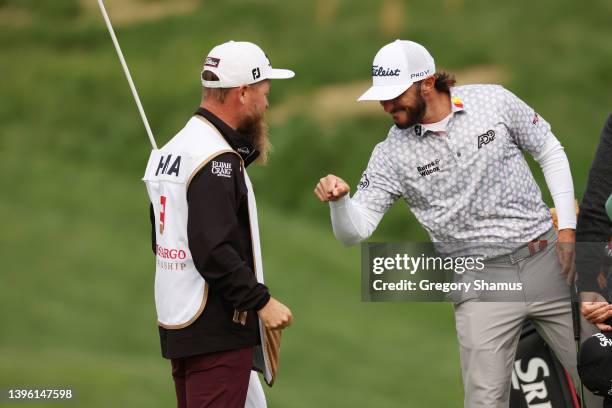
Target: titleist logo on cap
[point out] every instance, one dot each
(212, 62)
(382, 71)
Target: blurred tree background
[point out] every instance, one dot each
(76, 293)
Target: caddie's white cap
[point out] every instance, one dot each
(396, 67)
(238, 63)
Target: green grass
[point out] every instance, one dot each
(76, 288)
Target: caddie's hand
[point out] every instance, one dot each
(331, 188)
(275, 315)
(566, 252)
(595, 309)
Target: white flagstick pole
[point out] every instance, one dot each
(127, 73)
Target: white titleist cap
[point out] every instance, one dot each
(238, 63)
(396, 67)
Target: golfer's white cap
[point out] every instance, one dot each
(238, 63)
(396, 67)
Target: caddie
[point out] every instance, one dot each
(455, 156)
(216, 318)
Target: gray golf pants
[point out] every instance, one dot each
(489, 332)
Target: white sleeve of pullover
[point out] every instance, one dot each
(351, 222)
(556, 169)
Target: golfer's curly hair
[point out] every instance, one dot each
(444, 81)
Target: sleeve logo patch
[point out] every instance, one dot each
(221, 169)
(364, 182)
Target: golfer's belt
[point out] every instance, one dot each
(530, 249)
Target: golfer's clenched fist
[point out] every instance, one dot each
(275, 315)
(331, 188)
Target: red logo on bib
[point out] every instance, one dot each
(162, 214)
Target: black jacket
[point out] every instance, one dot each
(594, 226)
(219, 238)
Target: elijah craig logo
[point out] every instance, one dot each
(221, 169)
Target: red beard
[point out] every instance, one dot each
(255, 128)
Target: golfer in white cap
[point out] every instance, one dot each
(216, 318)
(455, 156)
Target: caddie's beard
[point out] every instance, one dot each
(255, 128)
(414, 114)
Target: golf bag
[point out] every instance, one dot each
(538, 378)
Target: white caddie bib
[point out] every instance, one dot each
(180, 290)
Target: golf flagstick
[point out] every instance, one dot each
(127, 73)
